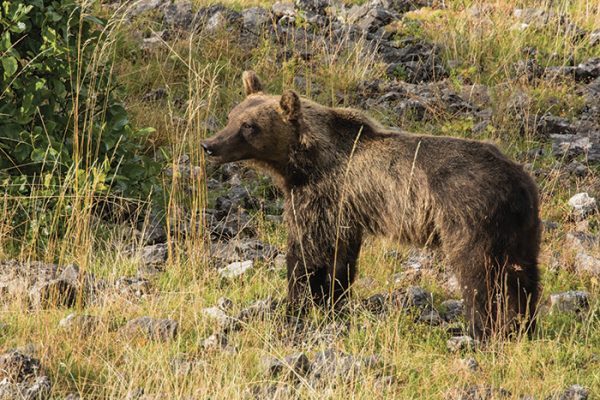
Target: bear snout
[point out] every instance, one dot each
(206, 148)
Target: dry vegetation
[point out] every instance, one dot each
(200, 75)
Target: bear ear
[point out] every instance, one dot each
(251, 83)
(290, 105)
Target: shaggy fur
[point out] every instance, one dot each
(345, 177)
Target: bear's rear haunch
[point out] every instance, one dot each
(346, 177)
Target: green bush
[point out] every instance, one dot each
(60, 120)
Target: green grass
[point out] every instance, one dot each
(202, 77)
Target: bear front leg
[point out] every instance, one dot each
(344, 269)
(307, 281)
(322, 278)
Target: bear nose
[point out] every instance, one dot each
(206, 149)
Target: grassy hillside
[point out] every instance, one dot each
(521, 74)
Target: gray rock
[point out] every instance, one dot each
(553, 125)
(151, 328)
(376, 304)
(313, 6)
(573, 301)
(183, 365)
(22, 377)
(574, 392)
(142, 6)
(84, 324)
(461, 343)
(255, 19)
(414, 60)
(412, 297)
(452, 310)
(478, 392)
(537, 16)
(584, 72)
(570, 146)
(289, 367)
(155, 255)
(258, 310)
(376, 18)
(236, 269)
(587, 264)
(273, 391)
(283, 9)
(178, 15)
(53, 293)
(225, 304)
(218, 342)
(17, 366)
(581, 241)
(470, 363)
(133, 286)
(331, 364)
(217, 22)
(582, 205)
(223, 320)
(430, 317)
(152, 42)
(594, 38)
(418, 260)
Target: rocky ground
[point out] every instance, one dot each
(104, 319)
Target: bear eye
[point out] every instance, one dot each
(249, 129)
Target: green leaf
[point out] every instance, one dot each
(38, 155)
(10, 66)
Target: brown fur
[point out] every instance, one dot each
(345, 177)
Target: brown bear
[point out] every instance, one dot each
(345, 177)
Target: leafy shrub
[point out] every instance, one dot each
(62, 130)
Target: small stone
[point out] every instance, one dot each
(573, 301)
(581, 241)
(183, 366)
(17, 366)
(376, 304)
(142, 6)
(217, 314)
(217, 341)
(460, 343)
(385, 382)
(470, 363)
(82, 323)
(154, 329)
(430, 317)
(452, 310)
(411, 297)
(594, 38)
(135, 286)
(331, 364)
(235, 269)
(156, 254)
(225, 304)
(478, 392)
(582, 205)
(258, 310)
(574, 392)
(280, 261)
(71, 274)
(290, 366)
(283, 9)
(53, 293)
(21, 377)
(587, 264)
(255, 19)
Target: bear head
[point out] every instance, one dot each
(262, 127)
